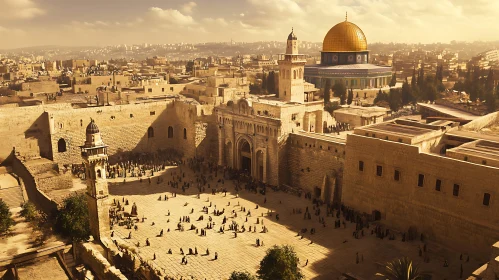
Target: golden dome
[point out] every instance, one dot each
(344, 37)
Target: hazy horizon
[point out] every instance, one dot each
(38, 23)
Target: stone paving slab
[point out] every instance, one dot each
(331, 252)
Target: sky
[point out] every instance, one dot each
(25, 23)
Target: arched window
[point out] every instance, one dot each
(170, 132)
(61, 146)
(150, 132)
(185, 133)
(99, 174)
(294, 74)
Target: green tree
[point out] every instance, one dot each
(393, 82)
(350, 97)
(72, 220)
(414, 80)
(406, 93)
(331, 107)
(280, 262)
(340, 91)
(264, 82)
(401, 269)
(29, 212)
(6, 220)
(327, 92)
(241, 275)
(395, 99)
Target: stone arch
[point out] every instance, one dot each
(244, 150)
(99, 173)
(150, 132)
(170, 132)
(61, 146)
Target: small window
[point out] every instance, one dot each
(170, 132)
(101, 192)
(171, 88)
(152, 113)
(149, 90)
(293, 117)
(438, 185)
(361, 166)
(61, 146)
(99, 173)
(420, 180)
(374, 135)
(131, 115)
(400, 140)
(484, 162)
(386, 137)
(455, 191)
(113, 117)
(162, 89)
(379, 170)
(465, 158)
(150, 132)
(486, 199)
(185, 133)
(396, 175)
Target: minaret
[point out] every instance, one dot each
(94, 154)
(291, 68)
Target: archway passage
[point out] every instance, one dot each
(245, 152)
(61, 146)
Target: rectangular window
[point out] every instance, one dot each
(293, 117)
(152, 113)
(455, 191)
(486, 199)
(438, 184)
(396, 175)
(361, 166)
(162, 89)
(379, 170)
(149, 89)
(420, 180)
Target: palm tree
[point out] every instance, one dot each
(401, 269)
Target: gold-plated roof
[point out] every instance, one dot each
(344, 37)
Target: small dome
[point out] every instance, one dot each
(292, 35)
(345, 37)
(92, 128)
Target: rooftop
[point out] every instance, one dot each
(449, 111)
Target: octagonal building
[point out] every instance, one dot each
(345, 58)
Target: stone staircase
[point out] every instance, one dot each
(12, 196)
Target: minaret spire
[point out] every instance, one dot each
(346, 16)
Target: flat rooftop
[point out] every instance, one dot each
(363, 111)
(481, 149)
(449, 111)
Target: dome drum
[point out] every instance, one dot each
(344, 58)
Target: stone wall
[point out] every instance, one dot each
(481, 122)
(311, 159)
(26, 129)
(92, 257)
(35, 195)
(460, 221)
(126, 128)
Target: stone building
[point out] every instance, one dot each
(437, 178)
(252, 131)
(344, 58)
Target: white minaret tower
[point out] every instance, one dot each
(94, 154)
(291, 68)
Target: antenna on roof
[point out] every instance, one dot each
(346, 16)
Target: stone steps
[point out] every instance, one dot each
(12, 196)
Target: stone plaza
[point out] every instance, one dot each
(330, 252)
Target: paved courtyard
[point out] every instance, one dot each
(330, 252)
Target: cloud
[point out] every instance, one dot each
(170, 16)
(219, 21)
(187, 7)
(19, 9)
